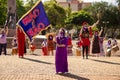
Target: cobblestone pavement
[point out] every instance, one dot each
(38, 67)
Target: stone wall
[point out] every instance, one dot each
(37, 43)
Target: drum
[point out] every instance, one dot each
(108, 53)
(115, 48)
(78, 52)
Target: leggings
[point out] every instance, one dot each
(83, 51)
(3, 46)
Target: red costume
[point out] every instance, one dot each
(21, 42)
(44, 48)
(69, 48)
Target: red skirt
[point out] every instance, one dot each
(44, 50)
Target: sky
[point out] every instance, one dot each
(110, 1)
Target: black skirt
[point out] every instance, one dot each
(95, 45)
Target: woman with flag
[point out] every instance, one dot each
(21, 42)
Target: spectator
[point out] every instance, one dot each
(3, 41)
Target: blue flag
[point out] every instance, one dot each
(34, 21)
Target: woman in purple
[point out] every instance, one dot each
(61, 62)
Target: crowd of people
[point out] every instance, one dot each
(62, 44)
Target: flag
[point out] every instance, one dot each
(34, 21)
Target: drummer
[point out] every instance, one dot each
(115, 47)
(114, 42)
(109, 47)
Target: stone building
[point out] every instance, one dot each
(75, 5)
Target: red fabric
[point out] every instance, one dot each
(21, 42)
(32, 47)
(80, 43)
(85, 41)
(44, 50)
(69, 41)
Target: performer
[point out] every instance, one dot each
(14, 46)
(115, 47)
(109, 48)
(3, 40)
(95, 43)
(85, 34)
(50, 44)
(32, 47)
(61, 52)
(44, 47)
(21, 42)
(69, 48)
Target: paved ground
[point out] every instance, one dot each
(38, 67)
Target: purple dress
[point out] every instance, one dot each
(61, 62)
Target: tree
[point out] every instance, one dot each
(56, 13)
(118, 1)
(3, 11)
(20, 9)
(77, 18)
(29, 4)
(106, 13)
(97, 9)
(112, 15)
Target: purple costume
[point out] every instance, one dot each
(61, 62)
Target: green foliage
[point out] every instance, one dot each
(20, 9)
(3, 11)
(113, 16)
(95, 29)
(97, 9)
(78, 18)
(105, 12)
(56, 13)
(29, 4)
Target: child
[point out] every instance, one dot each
(44, 48)
(14, 46)
(32, 47)
(50, 44)
(109, 47)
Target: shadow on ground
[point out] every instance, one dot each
(38, 61)
(105, 62)
(73, 76)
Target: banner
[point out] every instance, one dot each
(34, 21)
